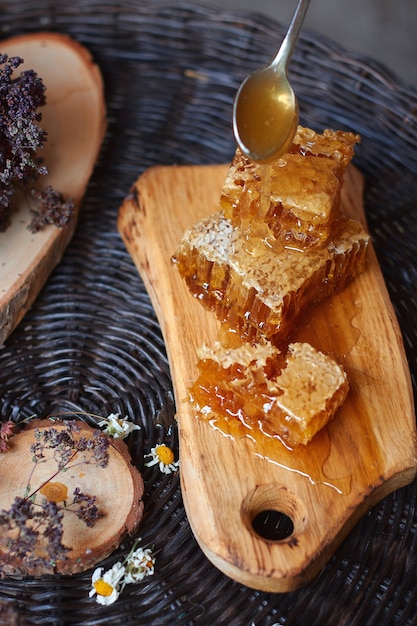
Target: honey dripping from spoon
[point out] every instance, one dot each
(265, 110)
(265, 120)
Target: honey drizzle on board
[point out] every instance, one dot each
(306, 460)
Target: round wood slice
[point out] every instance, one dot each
(118, 489)
(75, 119)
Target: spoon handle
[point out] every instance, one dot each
(287, 47)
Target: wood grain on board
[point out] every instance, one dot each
(368, 449)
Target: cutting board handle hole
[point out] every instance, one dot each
(273, 525)
(274, 513)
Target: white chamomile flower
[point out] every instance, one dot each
(117, 427)
(140, 563)
(163, 456)
(106, 587)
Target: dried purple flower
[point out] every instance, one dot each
(31, 531)
(20, 139)
(87, 511)
(50, 209)
(26, 526)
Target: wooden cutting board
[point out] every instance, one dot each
(367, 451)
(75, 120)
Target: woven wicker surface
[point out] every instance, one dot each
(91, 343)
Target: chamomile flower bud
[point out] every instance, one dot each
(140, 563)
(117, 427)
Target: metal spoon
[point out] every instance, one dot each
(265, 110)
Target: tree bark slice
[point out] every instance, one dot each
(118, 489)
(75, 119)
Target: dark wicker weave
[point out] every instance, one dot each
(91, 343)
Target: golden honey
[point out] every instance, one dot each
(295, 197)
(290, 395)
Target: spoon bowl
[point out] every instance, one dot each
(265, 110)
(266, 115)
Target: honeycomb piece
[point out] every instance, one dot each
(288, 395)
(264, 294)
(337, 145)
(297, 196)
